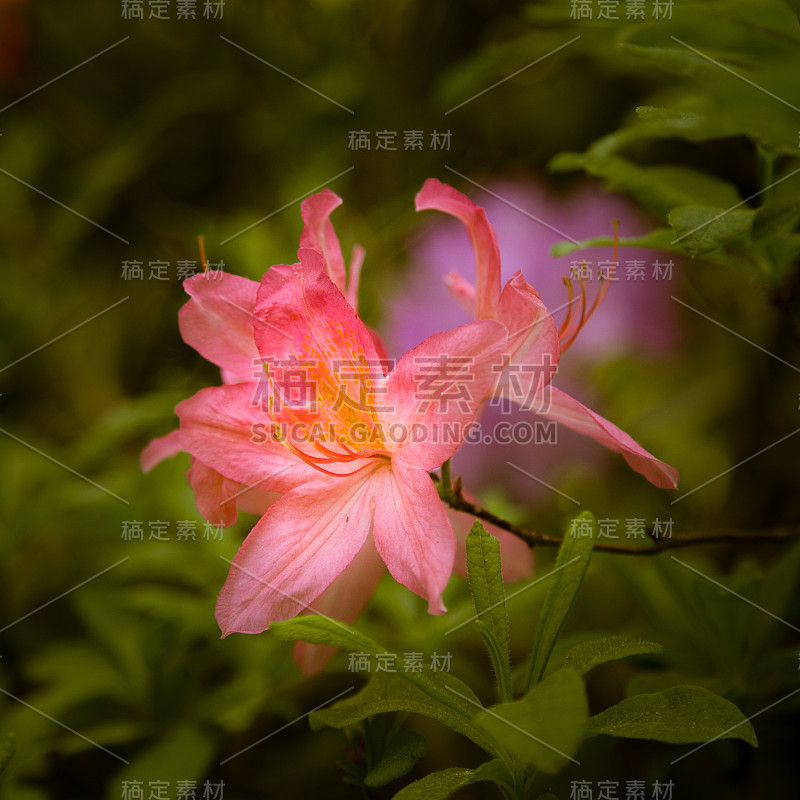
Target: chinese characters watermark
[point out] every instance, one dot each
(162, 9)
(397, 140)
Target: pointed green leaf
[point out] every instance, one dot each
(587, 655)
(572, 561)
(680, 715)
(440, 785)
(402, 752)
(545, 728)
(324, 630)
(659, 239)
(486, 583)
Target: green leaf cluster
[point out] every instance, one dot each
(732, 70)
(536, 734)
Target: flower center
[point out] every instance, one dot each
(325, 410)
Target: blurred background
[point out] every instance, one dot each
(128, 129)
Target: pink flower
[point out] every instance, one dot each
(353, 476)
(347, 508)
(535, 343)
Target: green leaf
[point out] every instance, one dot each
(323, 630)
(766, 64)
(441, 687)
(388, 692)
(434, 694)
(440, 785)
(680, 715)
(778, 218)
(660, 187)
(659, 239)
(572, 561)
(686, 124)
(486, 582)
(702, 229)
(670, 58)
(402, 752)
(7, 749)
(587, 655)
(545, 728)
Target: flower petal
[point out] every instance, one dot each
(214, 494)
(344, 599)
(224, 428)
(463, 292)
(323, 366)
(303, 542)
(318, 234)
(568, 411)
(533, 345)
(255, 501)
(160, 449)
(303, 311)
(532, 331)
(437, 195)
(412, 532)
(354, 275)
(218, 322)
(436, 389)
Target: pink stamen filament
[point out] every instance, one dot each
(569, 330)
(330, 456)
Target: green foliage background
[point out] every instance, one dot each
(176, 132)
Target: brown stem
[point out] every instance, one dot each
(724, 536)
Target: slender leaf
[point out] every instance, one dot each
(486, 582)
(587, 655)
(572, 561)
(323, 630)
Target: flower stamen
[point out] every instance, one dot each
(569, 330)
(329, 457)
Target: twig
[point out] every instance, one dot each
(455, 499)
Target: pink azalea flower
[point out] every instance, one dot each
(346, 510)
(535, 343)
(362, 496)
